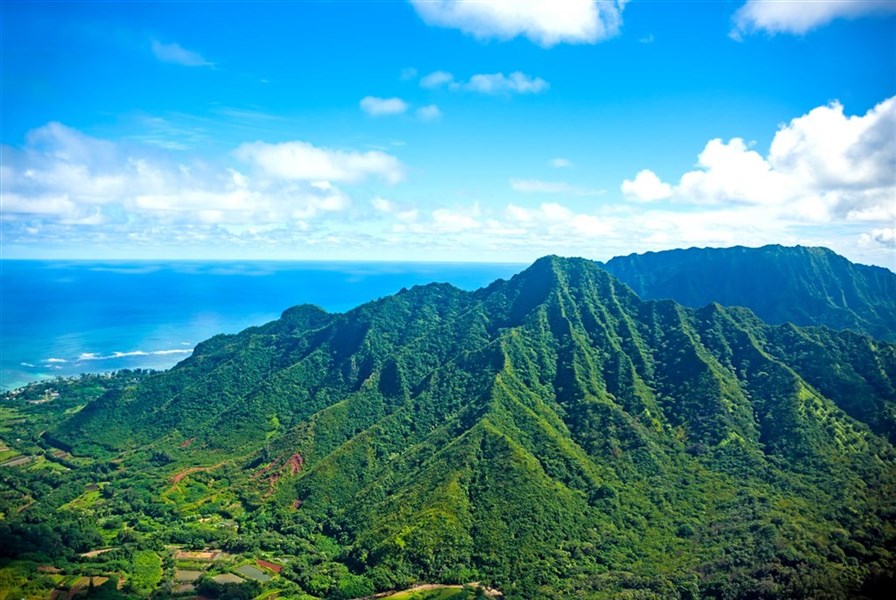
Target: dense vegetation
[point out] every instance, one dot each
(552, 436)
(804, 286)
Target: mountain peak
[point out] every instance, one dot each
(802, 285)
(552, 423)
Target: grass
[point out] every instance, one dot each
(444, 593)
(4, 454)
(84, 501)
(8, 412)
(146, 572)
(42, 463)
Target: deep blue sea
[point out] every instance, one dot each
(70, 317)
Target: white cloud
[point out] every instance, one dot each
(549, 225)
(885, 236)
(646, 187)
(827, 149)
(537, 186)
(488, 83)
(590, 225)
(555, 212)
(560, 163)
(555, 221)
(303, 161)
(430, 112)
(382, 204)
(177, 54)
(776, 16)
(383, 106)
(437, 79)
(821, 167)
(66, 186)
(387, 207)
(545, 22)
(448, 220)
(498, 83)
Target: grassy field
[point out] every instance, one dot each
(430, 593)
(146, 573)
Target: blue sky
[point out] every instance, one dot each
(443, 130)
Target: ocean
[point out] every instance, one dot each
(63, 318)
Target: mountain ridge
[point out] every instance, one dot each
(803, 285)
(555, 413)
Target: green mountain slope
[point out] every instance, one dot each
(552, 435)
(804, 286)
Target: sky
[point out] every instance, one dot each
(445, 130)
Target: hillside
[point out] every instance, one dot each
(551, 436)
(799, 285)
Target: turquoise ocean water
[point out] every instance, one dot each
(62, 318)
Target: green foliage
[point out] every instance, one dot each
(551, 436)
(804, 286)
(146, 572)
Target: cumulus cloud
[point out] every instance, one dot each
(430, 112)
(303, 161)
(554, 220)
(498, 83)
(820, 167)
(646, 187)
(545, 22)
(64, 183)
(885, 236)
(437, 79)
(453, 221)
(177, 54)
(548, 225)
(383, 106)
(775, 16)
(538, 186)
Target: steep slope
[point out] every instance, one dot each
(804, 286)
(552, 435)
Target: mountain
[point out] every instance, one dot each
(799, 285)
(552, 436)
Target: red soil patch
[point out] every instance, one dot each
(296, 504)
(263, 471)
(179, 476)
(269, 565)
(295, 463)
(186, 443)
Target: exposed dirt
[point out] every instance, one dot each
(94, 553)
(269, 565)
(295, 463)
(490, 592)
(179, 476)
